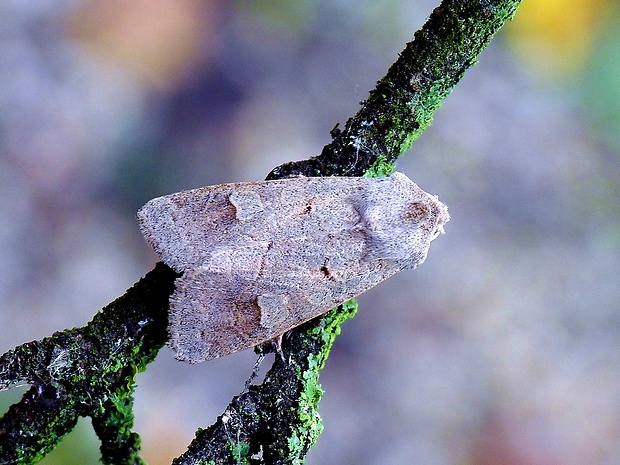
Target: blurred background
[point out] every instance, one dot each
(501, 349)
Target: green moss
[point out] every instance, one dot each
(121, 417)
(380, 168)
(309, 426)
(240, 452)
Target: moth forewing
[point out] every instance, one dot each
(263, 257)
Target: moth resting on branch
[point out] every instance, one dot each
(260, 258)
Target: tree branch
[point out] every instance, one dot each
(87, 371)
(402, 105)
(90, 371)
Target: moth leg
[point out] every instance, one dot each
(255, 369)
(272, 345)
(277, 344)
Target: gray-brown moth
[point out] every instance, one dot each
(260, 258)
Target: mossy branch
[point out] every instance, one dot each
(405, 99)
(90, 371)
(87, 371)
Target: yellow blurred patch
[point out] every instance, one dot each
(556, 36)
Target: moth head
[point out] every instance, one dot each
(400, 221)
(431, 216)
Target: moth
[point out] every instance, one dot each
(259, 258)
